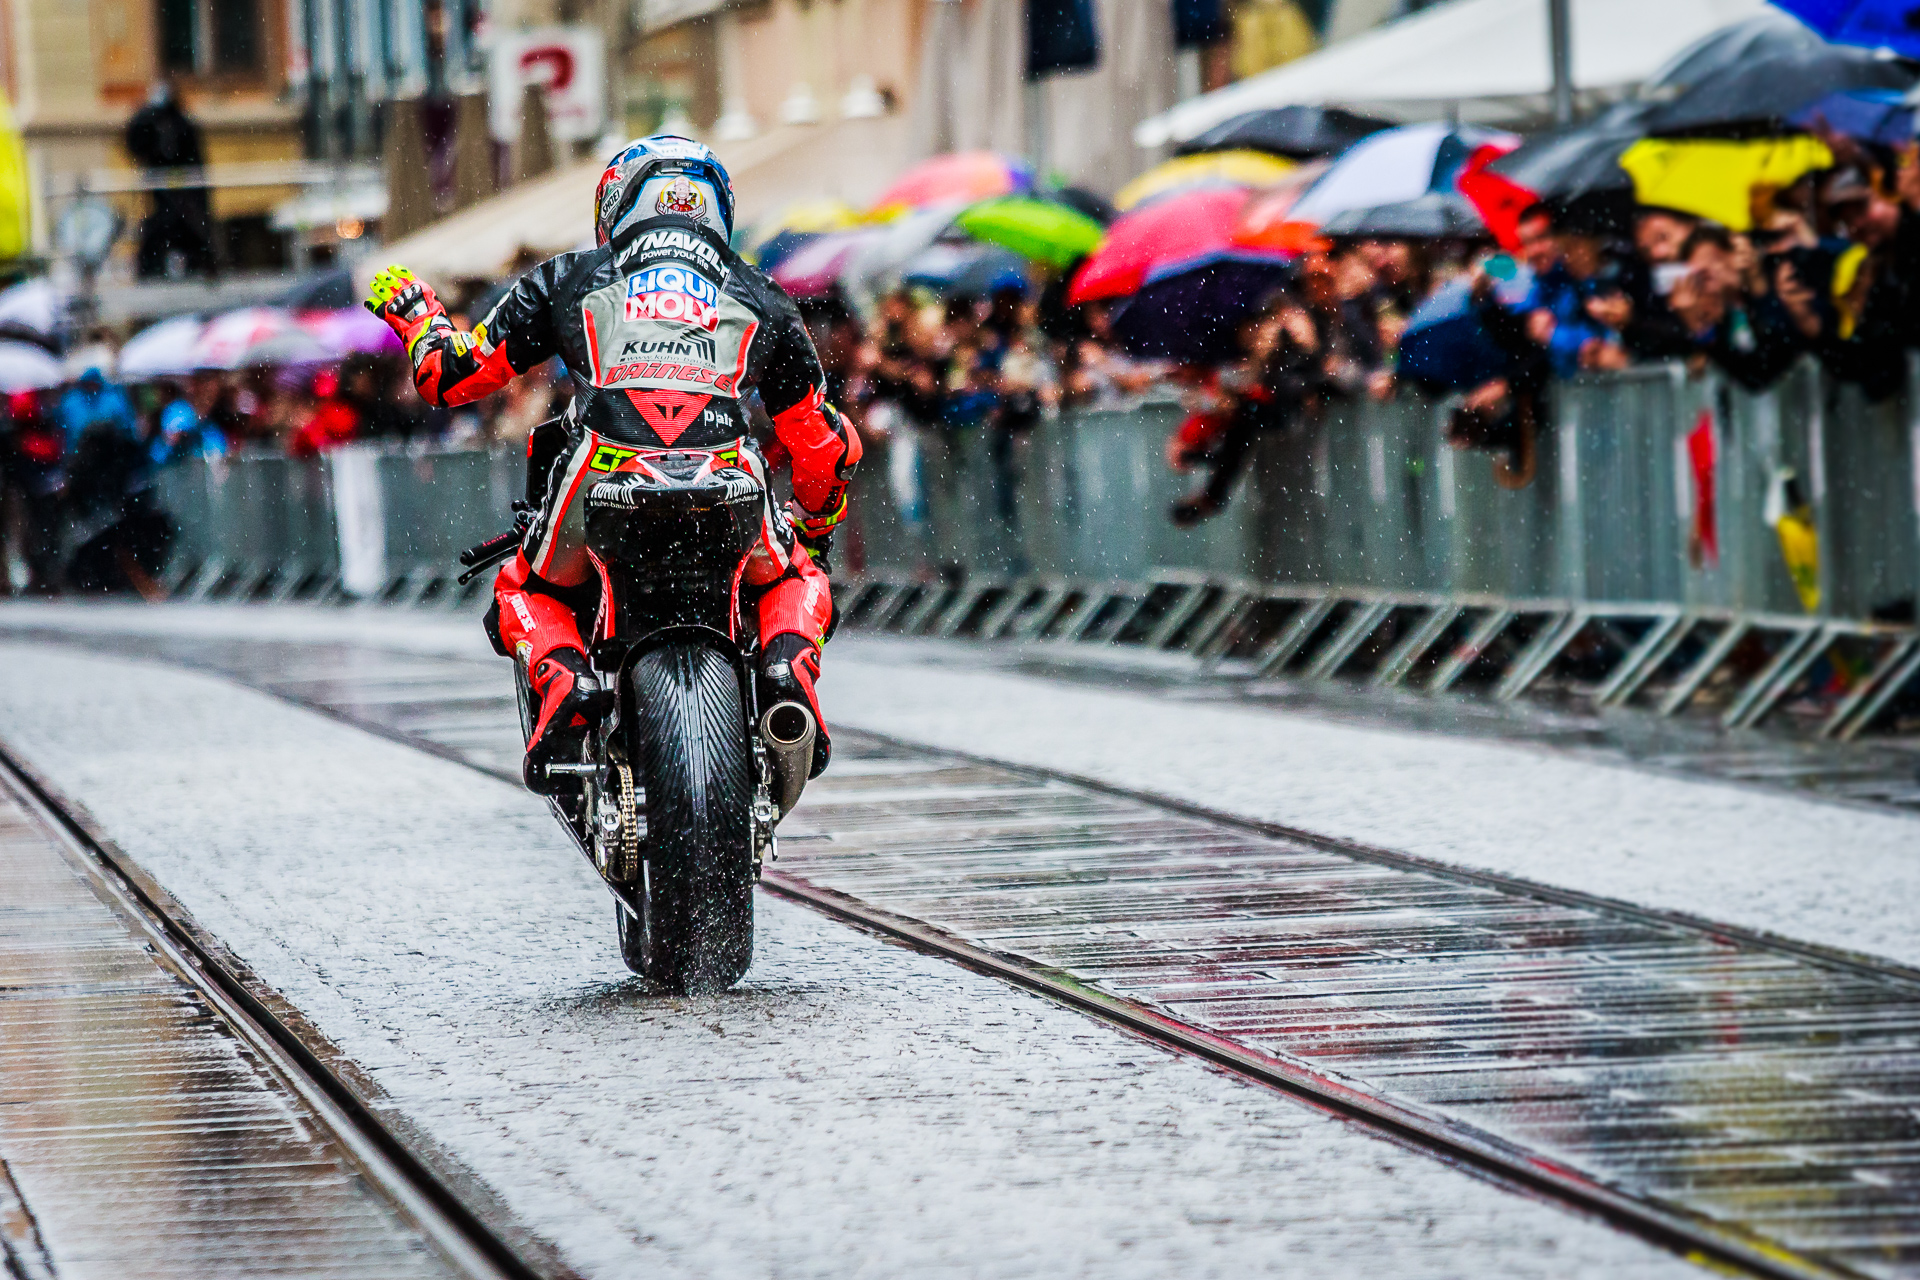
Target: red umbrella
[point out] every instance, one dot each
(963, 176)
(1176, 229)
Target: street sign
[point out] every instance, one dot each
(568, 63)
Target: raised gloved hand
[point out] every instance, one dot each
(404, 302)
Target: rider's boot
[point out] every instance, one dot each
(795, 613)
(542, 633)
(572, 701)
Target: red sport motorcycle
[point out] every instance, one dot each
(679, 788)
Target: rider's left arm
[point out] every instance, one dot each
(824, 445)
(451, 367)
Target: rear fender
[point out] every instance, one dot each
(706, 637)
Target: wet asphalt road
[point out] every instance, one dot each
(853, 1109)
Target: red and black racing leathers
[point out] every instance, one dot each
(664, 331)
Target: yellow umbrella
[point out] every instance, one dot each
(807, 216)
(1211, 168)
(1713, 177)
(16, 196)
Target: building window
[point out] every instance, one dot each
(176, 35)
(236, 38)
(203, 37)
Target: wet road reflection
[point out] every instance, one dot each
(137, 1134)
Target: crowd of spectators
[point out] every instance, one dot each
(1825, 271)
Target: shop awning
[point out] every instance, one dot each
(1479, 60)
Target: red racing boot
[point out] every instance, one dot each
(542, 633)
(572, 702)
(795, 614)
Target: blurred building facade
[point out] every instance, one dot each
(77, 70)
(827, 98)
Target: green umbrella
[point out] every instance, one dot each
(1038, 229)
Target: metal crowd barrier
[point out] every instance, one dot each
(1648, 485)
(358, 523)
(1830, 678)
(1640, 564)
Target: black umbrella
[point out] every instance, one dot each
(1093, 205)
(1771, 34)
(1759, 95)
(1438, 214)
(1298, 132)
(330, 289)
(1576, 172)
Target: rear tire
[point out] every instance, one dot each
(696, 883)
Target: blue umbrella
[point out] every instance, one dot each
(1872, 115)
(966, 270)
(1871, 24)
(1192, 311)
(1446, 347)
(780, 247)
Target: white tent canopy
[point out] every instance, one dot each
(1479, 60)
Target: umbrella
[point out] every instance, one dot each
(1444, 345)
(776, 249)
(1300, 133)
(794, 225)
(346, 331)
(1872, 115)
(813, 270)
(1714, 177)
(1431, 216)
(1769, 33)
(1192, 312)
(1178, 229)
(254, 336)
(1395, 165)
(1263, 221)
(1761, 95)
(1043, 230)
(962, 176)
(966, 270)
(1211, 169)
(1095, 206)
(876, 268)
(1576, 169)
(1872, 24)
(25, 367)
(32, 307)
(162, 349)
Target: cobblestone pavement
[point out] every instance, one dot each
(853, 1109)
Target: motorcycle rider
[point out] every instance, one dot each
(665, 331)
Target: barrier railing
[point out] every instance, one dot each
(1641, 565)
(1648, 485)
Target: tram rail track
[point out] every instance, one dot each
(1857, 991)
(418, 1195)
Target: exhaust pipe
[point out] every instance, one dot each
(788, 730)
